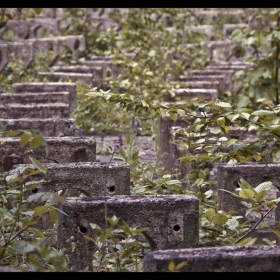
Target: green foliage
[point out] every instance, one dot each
(117, 248)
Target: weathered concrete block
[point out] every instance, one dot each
(49, 25)
(194, 78)
(48, 127)
(172, 222)
(108, 68)
(60, 150)
(24, 50)
(3, 56)
(254, 173)
(49, 87)
(16, 111)
(189, 93)
(216, 259)
(60, 76)
(19, 27)
(97, 72)
(208, 30)
(88, 177)
(201, 84)
(34, 97)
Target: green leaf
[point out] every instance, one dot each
(38, 165)
(40, 210)
(220, 219)
(245, 193)
(24, 139)
(37, 10)
(35, 141)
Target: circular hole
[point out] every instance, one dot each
(176, 228)
(83, 229)
(34, 190)
(111, 189)
(235, 183)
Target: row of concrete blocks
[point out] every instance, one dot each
(25, 49)
(59, 177)
(172, 219)
(93, 72)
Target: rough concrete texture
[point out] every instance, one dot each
(195, 78)
(97, 72)
(199, 93)
(208, 30)
(29, 28)
(15, 111)
(3, 56)
(254, 173)
(47, 87)
(6, 268)
(216, 259)
(60, 150)
(48, 127)
(34, 97)
(201, 84)
(60, 76)
(172, 222)
(88, 177)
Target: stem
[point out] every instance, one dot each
(256, 224)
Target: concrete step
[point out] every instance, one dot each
(60, 150)
(66, 77)
(50, 87)
(87, 177)
(16, 111)
(35, 97)
(49, 127)
(216, 259)
(172, 221)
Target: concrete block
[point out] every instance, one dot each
(97, 72)
(60, 150)
(204, 29)
(58, 127)
(62, 76)
(24, 50)
(3, 56)
(88, 177)
(49, 87)
(172, 222)
(16, 111)
(216, 259)
(201, 84)
(189, 93)
(254, 173)
(35, 97)
(211, 78)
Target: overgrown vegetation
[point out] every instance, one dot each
(152, 59)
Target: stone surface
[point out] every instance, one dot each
(34, 97)
(254, 173)
(48, 127)
(88, 177)
(216, 259)
(16, 111)
(60, 150)
(47, 87)
(172, 222)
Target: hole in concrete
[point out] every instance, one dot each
(111, 189)
(76, 44)
(83, 229)
(34, 190)
(176, 228)
(236, 184)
